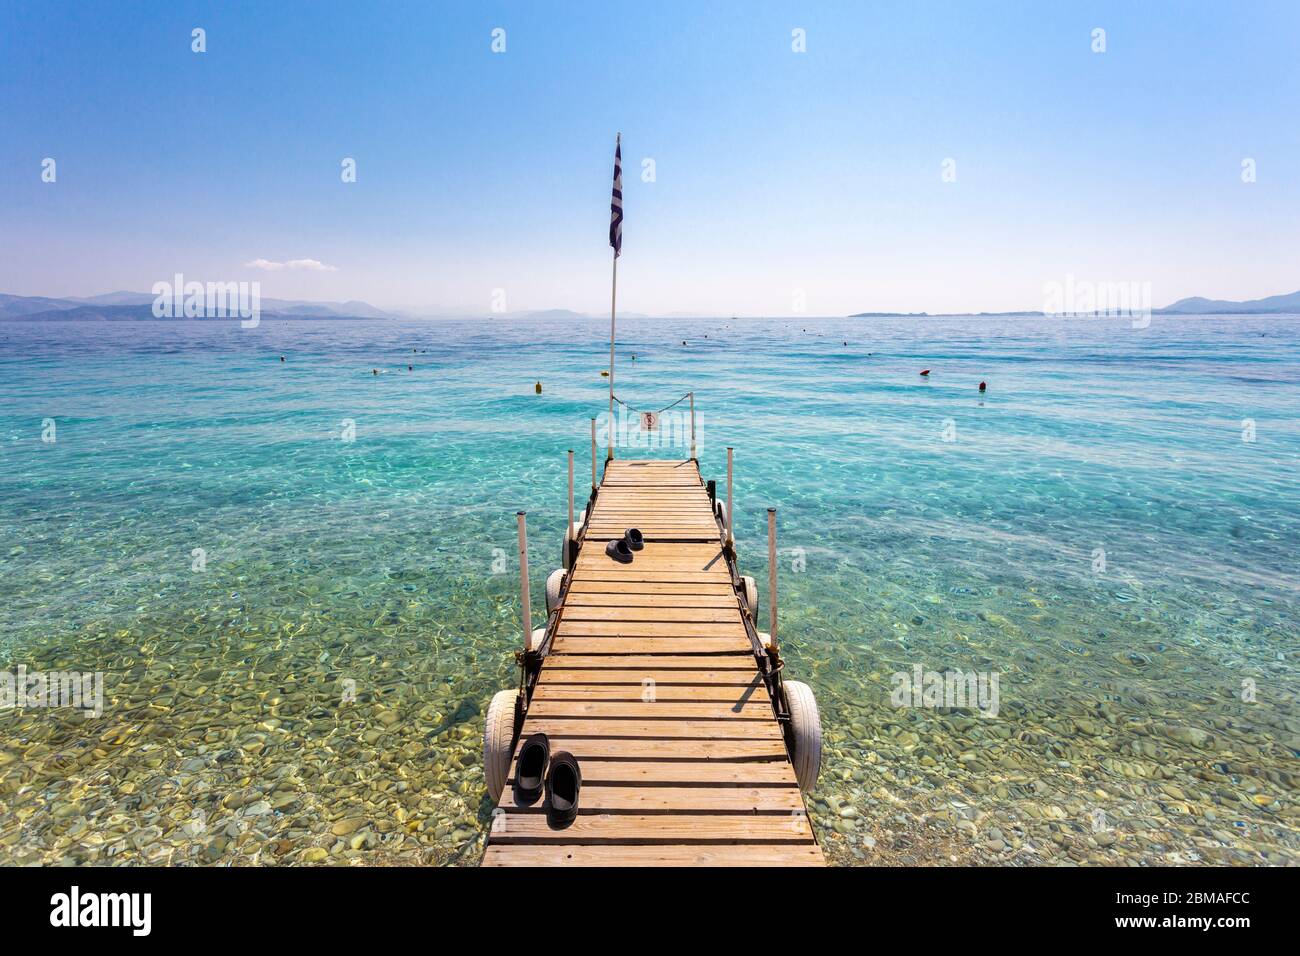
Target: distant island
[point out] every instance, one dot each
(1196, 305)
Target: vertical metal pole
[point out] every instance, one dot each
(526, 613)
(593, 454)
(613, 297)
(771, 576)
(692, 425)
(731, 515)
(568, 533)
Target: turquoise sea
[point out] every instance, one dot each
(298, 633)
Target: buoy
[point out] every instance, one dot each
(281, 358)
(498, 738)
(683, 341)
(410, 368)
(805, 733)
(539, 388)
(983, 386)
(924, 372)
(633, 356)
(604, 375)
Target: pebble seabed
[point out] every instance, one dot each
(225, 746)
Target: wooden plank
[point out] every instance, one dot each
(658, 709)
(742, 662)
(712, 682)
(728, 752)
(643, 829)
(640, 799)
(587, 584)
(598, 628)
(693, 615)
(600, 599)
(707, 730)
(716, 856)
(653, 773)
(657, 690)
(652, 645)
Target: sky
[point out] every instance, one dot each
(913, 156)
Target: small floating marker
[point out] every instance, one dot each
(604, 375)
(410, 368)
(633, 356)
(281, 358)
(539, 388)
(925, 372)
(983, 386)
(683, 341)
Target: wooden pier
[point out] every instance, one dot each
(652, 676)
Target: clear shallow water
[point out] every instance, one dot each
(224, 738)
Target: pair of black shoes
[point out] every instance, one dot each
(621, 549)
(558, 772)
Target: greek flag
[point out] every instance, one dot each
(616, 202)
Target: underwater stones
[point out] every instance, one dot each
(347, 826)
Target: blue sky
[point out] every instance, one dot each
(777, 173)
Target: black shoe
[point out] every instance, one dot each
(530, 772)
(563, 782)
(634, 539)
(618, 550)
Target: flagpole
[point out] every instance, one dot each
(613, 298)
(615, 240)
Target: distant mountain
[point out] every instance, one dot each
(132, 306)
(1197, 305)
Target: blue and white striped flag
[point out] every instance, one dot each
(616, 202)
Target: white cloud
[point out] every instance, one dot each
(304, 265)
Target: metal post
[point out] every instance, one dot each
(593, 454)
(613, 296)
(771, 576)
(731, 515)
(692, 425)
(526, 613)
(568, 533)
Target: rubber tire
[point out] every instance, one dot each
(553, 584)
(751, 596)
(805, 733)
(564, 544)
(498, 741)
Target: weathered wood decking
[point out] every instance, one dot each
(651, 682)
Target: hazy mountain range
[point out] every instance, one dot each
(130, 306)
(133, 306)
(1196, 305)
